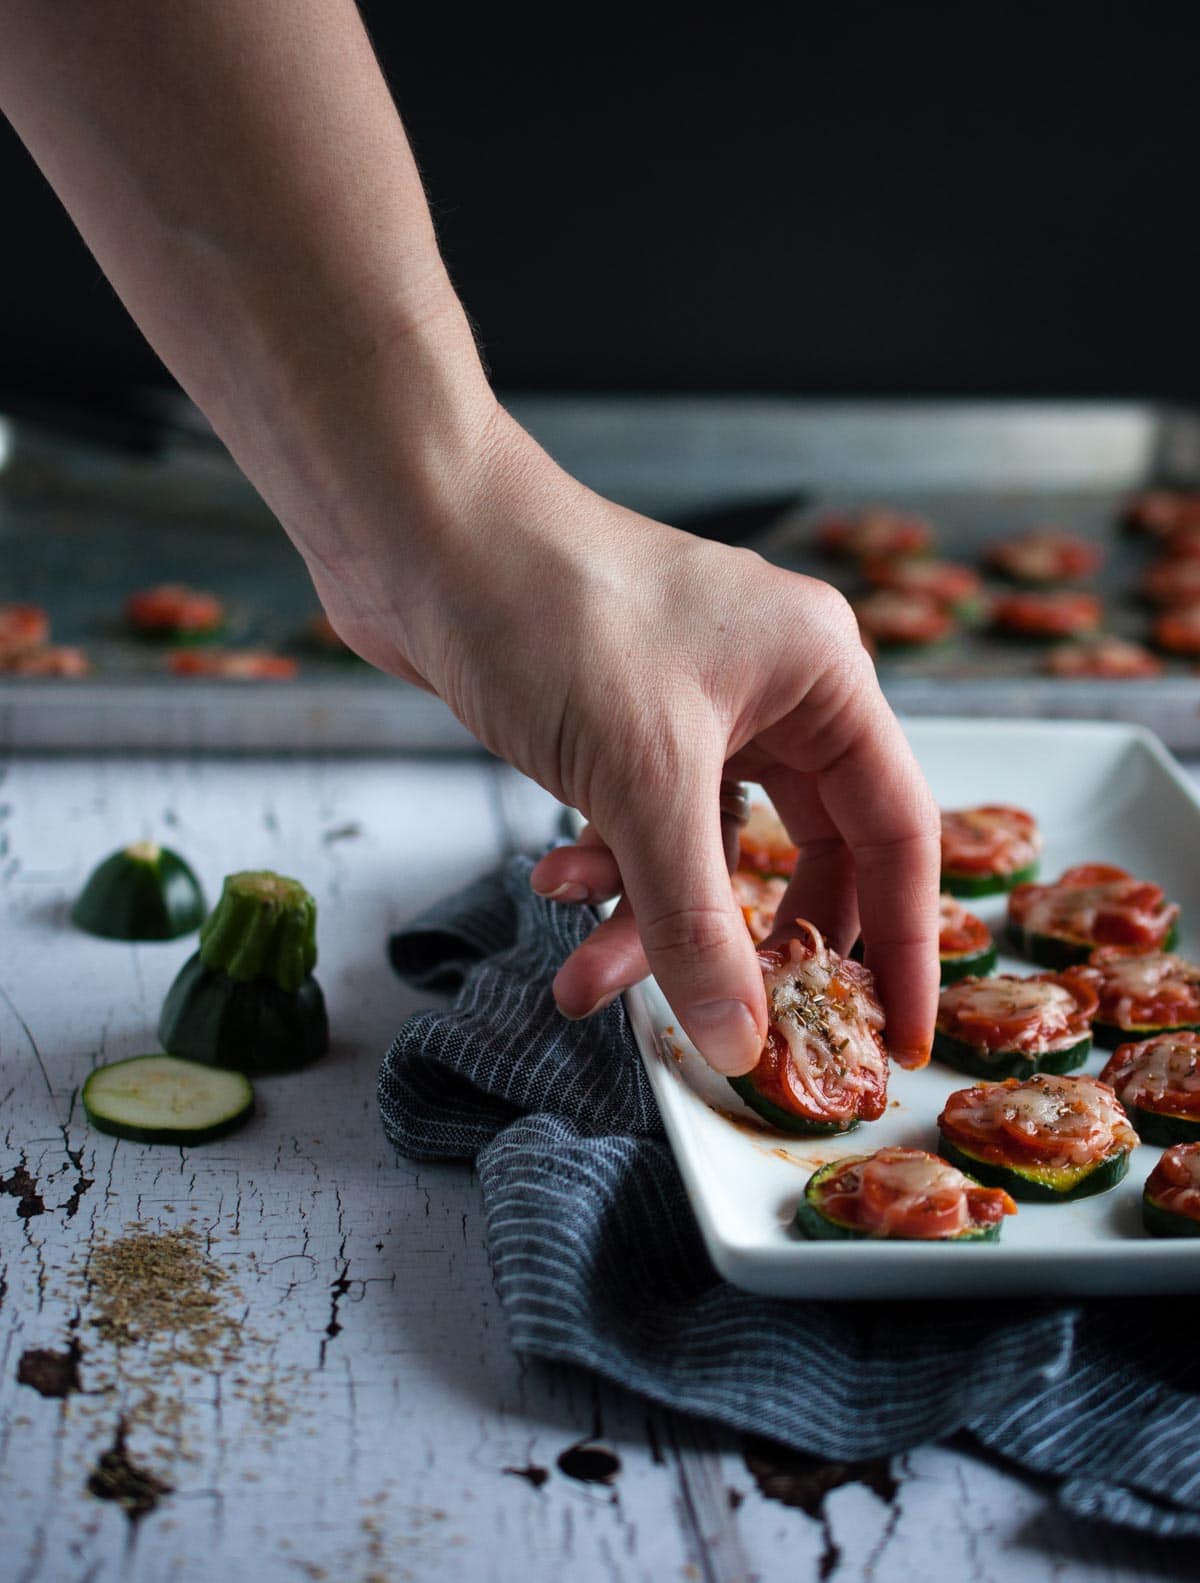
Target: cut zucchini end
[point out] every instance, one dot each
(144, 892)
(1007, 1063)
(246, 1026)
(163, 1099)
(263, 927)
(986, 884)
(786, 1120)
(1040, 1184)
(1160, 1222)
(980, 964)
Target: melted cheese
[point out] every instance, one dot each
(1030, 1013)
(833, 1055)
(1073, 910)
(1166, 1064)
(1077, 1119)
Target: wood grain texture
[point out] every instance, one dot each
(373, 1423)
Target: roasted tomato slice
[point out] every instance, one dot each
(22, 627)
(1174, 1183)
(1045, 555)
(1035, 1014)
(1160, 1075)
(1044, 1120)
(1178, 630)
(173, 610)
(1105, 658)
(234, 664)
(58, 661)
(1046, 615)
(910, 1194)
(1144, 989)
(991, 839)
(764, 846)
(874, 532)
(949, 582)
(1096, 904)
(893, 618)
(824, 1059)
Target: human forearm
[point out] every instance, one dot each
(242, 176)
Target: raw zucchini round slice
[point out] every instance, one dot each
(143, 892)
(161, 1099)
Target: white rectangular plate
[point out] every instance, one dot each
(1101, 792)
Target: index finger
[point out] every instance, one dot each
(877, 797)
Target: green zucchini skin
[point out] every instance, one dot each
(786, 1120)
(1055, 952)
(813, 1222)
(1034, 1183)
(1007, 1063)
(1160, 1127)
(250, 1025)
(986, 884)
(99, 1106)
(1160, 1222)
(1108, 1035)
(143, 892)
(980, 964)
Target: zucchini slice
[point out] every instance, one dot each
(1057, 951)
(986, 884)
(1047, 1184)
(1110, 1036)
(785, 1120)
(143, 892)
(969, 1058)
(1160, 1222)
(247, 999)
(161, 1099)
(816, 1222)
(977, 964)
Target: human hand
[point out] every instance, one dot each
(630, 669)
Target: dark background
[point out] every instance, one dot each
(904, 199)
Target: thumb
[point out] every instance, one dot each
(670, 852)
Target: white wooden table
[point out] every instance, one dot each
(375, 1424)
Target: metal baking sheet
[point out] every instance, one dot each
(81, 527)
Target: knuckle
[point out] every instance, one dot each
(701, 934)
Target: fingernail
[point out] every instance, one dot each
(725, 1033)
(582, 1016)
(570, 890)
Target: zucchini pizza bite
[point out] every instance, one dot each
(1159, 512)
(1171, 581)
(1010, 1026)
(1049, 1138)
(956, 587)
(1158, 1082)
(905, 1195)
(22, 628)
(1044, 556)
(1104, 658)
(238, 665)
(1142, 994)
(764, 846)
(62, 660)
(1041, 616)
(1177, 631)
(988, 849)
(1090, 905)
(875, 531)
(175, 613)
(1171, 1197)
(903, 620)
(965, 944)
(824, 1066)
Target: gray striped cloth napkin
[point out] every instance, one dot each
(599, 1261)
